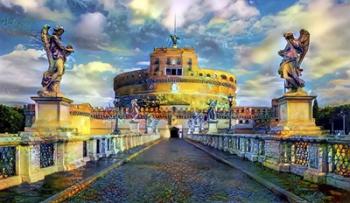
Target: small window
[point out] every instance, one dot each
(84, 149)
(97, 146)
(178, 61)
(179, 71)
(156, 69)
(208, 75)
(156, 61)
(224, 77)
(231, 79)
(173, 71)
(200, 74)
(189, 62)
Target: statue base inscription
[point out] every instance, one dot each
(52, 113)
(295, 116)
(213, 126)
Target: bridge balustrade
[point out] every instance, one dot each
(323, 160)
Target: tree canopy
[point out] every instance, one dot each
(11, 119)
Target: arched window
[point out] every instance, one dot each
(200, 74)
(208, 75)
(224, 77)
(231, 79)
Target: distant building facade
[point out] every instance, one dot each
(174, 78)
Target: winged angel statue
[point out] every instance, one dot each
(57, 55)
(293, 55)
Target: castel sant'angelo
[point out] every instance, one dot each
(174, 78)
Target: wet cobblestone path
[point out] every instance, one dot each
(175, 171)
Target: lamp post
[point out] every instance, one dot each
(342, 114)
(230, 99)
(116, 103)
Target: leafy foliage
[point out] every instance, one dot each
(11, 119)
(325, 116)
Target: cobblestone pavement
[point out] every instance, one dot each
(57, 182)
(175, 171)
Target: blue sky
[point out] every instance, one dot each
(113, 36)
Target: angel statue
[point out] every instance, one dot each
(134, 109)
(57, 55)
(293, 55)
(212, 110)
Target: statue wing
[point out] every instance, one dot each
(45, 38)
(304, 40)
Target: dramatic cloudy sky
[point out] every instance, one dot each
(112, 36)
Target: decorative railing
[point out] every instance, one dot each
(339, 159)
(47, 155)
(323, 154)
(7, 162)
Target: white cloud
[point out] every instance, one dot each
(21, 72)
(190, 12)
(143, 63)
(91, 82)
(90, 30)
(37, 8)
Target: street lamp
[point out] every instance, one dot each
(342, 114)
(230, 99)
(116, 103)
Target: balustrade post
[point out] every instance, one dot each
(317, 163)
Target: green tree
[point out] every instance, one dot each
(11, 119)
(330, 114)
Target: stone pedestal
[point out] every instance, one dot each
(52, 113)
(295, 116)
(213, 126)
(134, 126)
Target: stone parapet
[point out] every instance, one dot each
(31, 156)
(319, 159)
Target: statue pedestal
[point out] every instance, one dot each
(295, 116)
(213, 126)
(52, 113)
(134, 126)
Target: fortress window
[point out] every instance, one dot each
(156, 61)
(224, 77)
(156, 69)
(178, 61)
(189, 62)
(173, 71)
